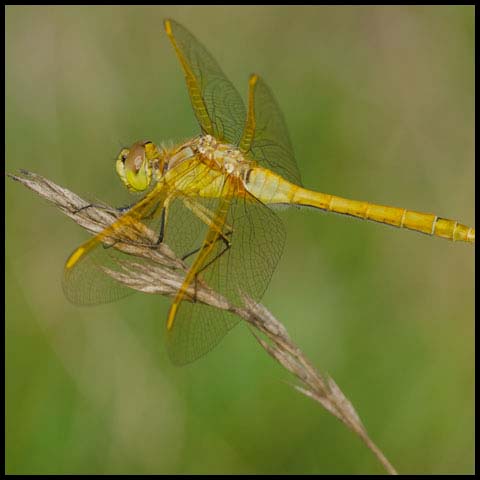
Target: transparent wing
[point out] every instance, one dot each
(86, 279)
(88, 283)
(256, 238)
(266, 137)
(217, 104)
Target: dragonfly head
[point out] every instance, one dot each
(134, 165)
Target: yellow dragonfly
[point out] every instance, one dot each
(209, 198)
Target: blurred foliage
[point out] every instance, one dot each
(380, 104)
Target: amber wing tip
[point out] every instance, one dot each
(74, 258)
(167, 23)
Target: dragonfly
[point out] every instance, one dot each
(210, 199)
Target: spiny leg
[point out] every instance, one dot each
(206, 216)
(162, 227)
(222, 238)
(149, 216)
(104, 207)
(214, 259)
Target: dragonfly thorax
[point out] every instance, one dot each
(224, 156)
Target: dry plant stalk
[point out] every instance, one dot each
(164, 275)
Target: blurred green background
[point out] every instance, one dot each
(380, 105)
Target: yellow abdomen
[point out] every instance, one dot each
(270, 188)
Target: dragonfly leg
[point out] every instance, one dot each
(90, 205)
(162, 228)
(222, 237)
(147, 217)
(104, 207)
(110, 245)
(163, 223)
(217, 256)
(206, 216)
(125, 209)
(214, 259)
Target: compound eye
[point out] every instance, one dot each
(123, 155)
(120, 164)
(133, 168)
(135, 158)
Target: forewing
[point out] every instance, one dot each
(217, 104)
(88, 272)
(271, 146)
(86, 279)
